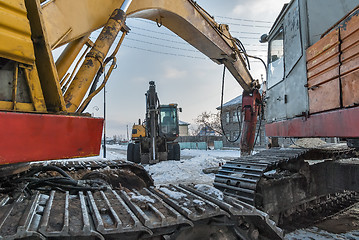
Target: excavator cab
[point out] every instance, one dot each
(169, 121)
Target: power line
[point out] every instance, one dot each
(182, 49)
(184, 43)
(164, 53)
(157, 38)
(228, 23)
(144, 20)
(231, 18)
(244, 20)
(244, 25)
(174, 54)
(174, 35)
(161, 45)
(147, 30)
(162, 39)
(256, 33)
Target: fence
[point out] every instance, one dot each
(200, 145)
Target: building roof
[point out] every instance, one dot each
(183, 123)
(234, 101)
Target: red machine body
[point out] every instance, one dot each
(27, 137)
(319, 125)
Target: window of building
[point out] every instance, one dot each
(235, 116)
(227, 117)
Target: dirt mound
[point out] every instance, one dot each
(308, 143)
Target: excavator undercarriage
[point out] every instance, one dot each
(49, 202)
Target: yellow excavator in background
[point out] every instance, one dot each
(154, 140)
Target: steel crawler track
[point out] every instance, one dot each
(240, 177)
(282, 183)
(123, 214)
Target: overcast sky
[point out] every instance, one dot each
(182, 74)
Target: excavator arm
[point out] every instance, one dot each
(184, 17)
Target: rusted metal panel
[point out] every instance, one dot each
(324, 97)
(337, 123)
(350, 60)
(350, 83)
(330, 53)
(327, 75)
(45, 137)
(329, 63)
(323, 73)
(323, 45)
(324, 66)
(349, 69)
(323, 60)
(350, 55)
(351, 40)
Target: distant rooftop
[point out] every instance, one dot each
(234, 101)
(183, 123)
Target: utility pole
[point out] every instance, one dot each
(127, 133)
(104, 122)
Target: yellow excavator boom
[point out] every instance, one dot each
(70, 20)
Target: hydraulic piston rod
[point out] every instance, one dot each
(95, 58)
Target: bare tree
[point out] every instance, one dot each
(194, 130)
(210, 120)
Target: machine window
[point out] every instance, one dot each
(168, 120)
(276, 60)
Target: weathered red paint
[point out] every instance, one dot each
(29, 137)
(339, 123)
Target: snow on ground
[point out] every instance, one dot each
(189, 168)
(317, 234)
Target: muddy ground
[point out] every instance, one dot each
(345, 222)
